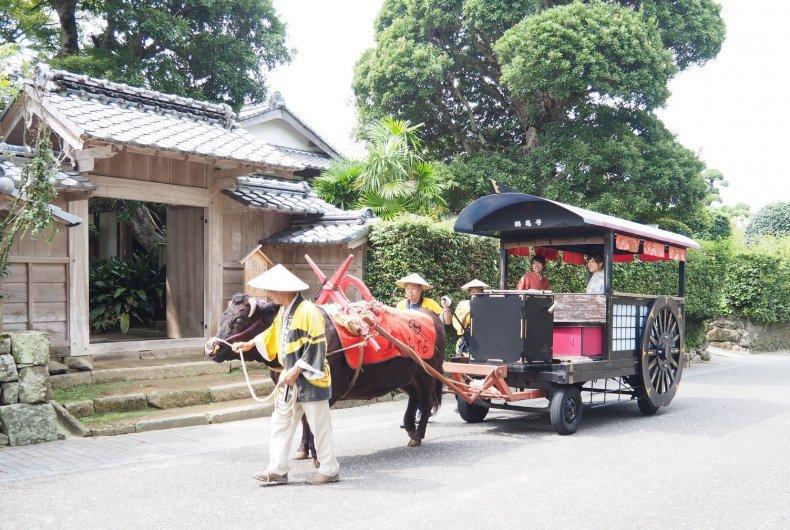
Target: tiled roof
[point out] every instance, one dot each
(113, 112)
(277, 195)
(308, 159)
(256, 109)
(13, 157)
(328, 230)
(10, 171)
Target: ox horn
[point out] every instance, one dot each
(253, 305)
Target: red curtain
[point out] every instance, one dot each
(548, 253)
(631, 244)
(572, 258)
(623, 258)
(677, 253)
(654, 249)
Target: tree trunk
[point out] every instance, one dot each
(67, 15)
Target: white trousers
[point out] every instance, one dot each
(283, 426)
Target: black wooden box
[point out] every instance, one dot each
(511, 327)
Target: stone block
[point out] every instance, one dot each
(723, 335)
(8, 371)
(5, 345)
(173, 399)
(80, 409)
(171, 353)
(239, 390)
(111, 375)
(30, 347)
(72, 424)
(112, 429)
(9, 393)
(55, 368)
(188, 420)
(124, 403)
(29, 424)
(81, 364)
(240, 413)
(70, 380)
(3, 439)
(34, 385)
(195, 369)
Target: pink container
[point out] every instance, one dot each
(578, 340)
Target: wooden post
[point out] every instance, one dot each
(79, 324)
(682, 278)
(608, 257)
(502, 266)
(212, 301)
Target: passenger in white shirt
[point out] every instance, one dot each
(595, 266)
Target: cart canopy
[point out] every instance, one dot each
(517, 217)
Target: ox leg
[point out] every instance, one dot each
(411, 411)
(425, 413)
(303, 453)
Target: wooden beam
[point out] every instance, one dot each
(78, 304)
(38, 259)
(137, 190)
(551, 242)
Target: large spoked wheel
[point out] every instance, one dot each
(565, 410)
(662, 355)
(471, 413)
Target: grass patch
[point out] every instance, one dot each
(113, 417)
(83, 392)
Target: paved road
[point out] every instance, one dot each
(719, 456)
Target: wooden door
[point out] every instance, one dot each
(185, 274)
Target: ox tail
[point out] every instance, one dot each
(436, 397)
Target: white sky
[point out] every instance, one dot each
(733, 111)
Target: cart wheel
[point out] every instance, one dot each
(471, 413)
(565, 409)
(645, 407)
(662, 353)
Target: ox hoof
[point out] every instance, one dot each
(315, 462)
(414, 442)
(301, 454)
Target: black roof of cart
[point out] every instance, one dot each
(516, 216)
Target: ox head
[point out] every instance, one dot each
(244, 317)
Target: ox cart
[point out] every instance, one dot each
(575, 350)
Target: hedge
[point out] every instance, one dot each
(719, 280)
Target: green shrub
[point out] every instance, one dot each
(755, 285)
(123, 291)
(771, 220)
(758, 287)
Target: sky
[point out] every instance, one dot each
(733, 111)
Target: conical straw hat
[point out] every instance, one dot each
(475, 283)
(415, 279)
(278, 278)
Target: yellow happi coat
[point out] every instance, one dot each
(297, 337)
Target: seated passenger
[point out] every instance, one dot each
(535, 279)
(413, 286)
(595, 266)
(462, 318)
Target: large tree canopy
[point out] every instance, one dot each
(571, 86)
(214, 50)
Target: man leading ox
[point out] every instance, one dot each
(297, 339)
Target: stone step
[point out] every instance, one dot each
(222, 412)
(143, 372)
(167, 398)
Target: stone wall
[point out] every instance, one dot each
(26, 416)
(737, 334)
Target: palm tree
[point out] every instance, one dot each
(392, 178)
